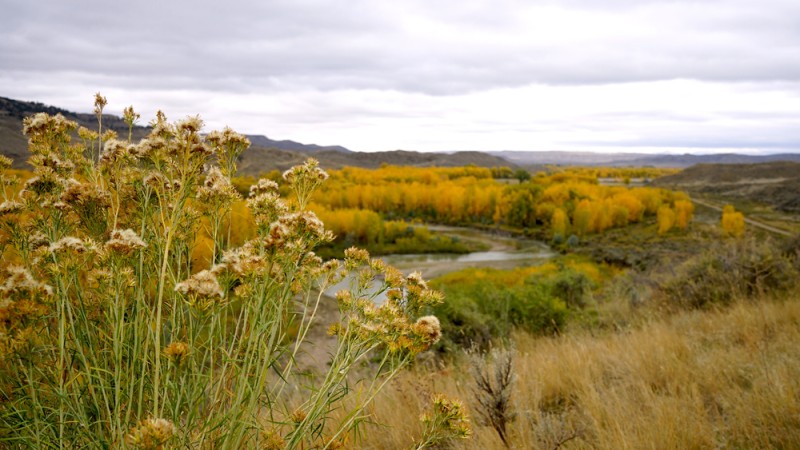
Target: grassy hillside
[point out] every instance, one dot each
(713, 379)
(776, 184)
(259, 160)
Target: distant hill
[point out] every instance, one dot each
(258, 160)
(15, 145)
(264, 155)
(524, 158)
(258, 140)
(775, 183)
(636, 159)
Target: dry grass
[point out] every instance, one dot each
(714, 379)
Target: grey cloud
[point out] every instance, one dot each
(765, 136)
(263, 46)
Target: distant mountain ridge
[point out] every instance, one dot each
(524, 159)
(257, 160)
(265, 154)
(258, 140)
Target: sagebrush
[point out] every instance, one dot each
(112, 335)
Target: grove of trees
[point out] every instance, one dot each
(564, 203)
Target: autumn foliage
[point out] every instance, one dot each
(565, 203)
(732, 222)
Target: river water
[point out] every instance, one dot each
(504, 253)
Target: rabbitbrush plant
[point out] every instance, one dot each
(112, 336)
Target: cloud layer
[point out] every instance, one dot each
(445, 75)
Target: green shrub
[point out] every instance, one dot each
(573, 241)
(572, 287)
(475, 315)
(733, 270)
(465, 326)
(535, 309)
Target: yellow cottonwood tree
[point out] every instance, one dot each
(559, 223)
(684, 211)
(732, 222)
(666, 219)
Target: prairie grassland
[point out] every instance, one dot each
(702, 379)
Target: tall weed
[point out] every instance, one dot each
(112, 335)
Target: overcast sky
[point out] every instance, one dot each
(431, 75)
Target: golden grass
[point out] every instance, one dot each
(715, 379)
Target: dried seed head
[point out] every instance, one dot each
(19, 280)
(151, 434)
(100, 102)
(228, 145)
(415, 279)
(108, 135)
(10, 207)
(272, 440)
(129, 116)
(157, 181)
(45, 183)
(355, 257)
(217, 189)
(429, 328)
(299, 415)
(393, 277)
(191, 125)
(308, 172)
(35, 124)
(304, 179)
(116, 150)
(87, 134)
(243, 261)
(147, 147)
(305, 224)
(38, 239)
(5, 162)
(264, 186)
(177, 352)
(203, 284)
(85, 194)
(267, 207)
(201, 149)
(125, 241)
(52, 161)
(447, 420)
(44, 126)
(160, 127)
(68, 244)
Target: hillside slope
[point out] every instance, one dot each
(14, 144)
(775, 183)
(264, 155)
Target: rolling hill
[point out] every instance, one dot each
(774, 183)
(264, 155)
(268, 154)
(526, 159)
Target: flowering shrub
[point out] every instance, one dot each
(112, 336)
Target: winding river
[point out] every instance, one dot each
(504, 253)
